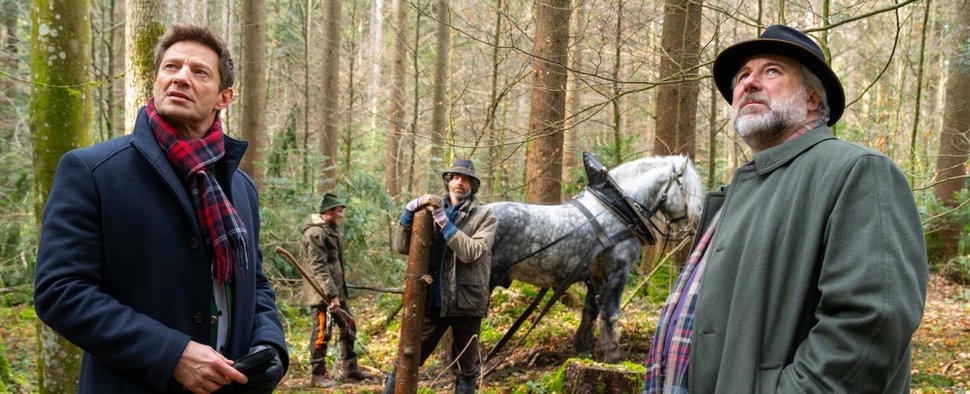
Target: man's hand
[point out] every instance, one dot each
(201, 369)
(265, 380)
(427, 199)
(335, 303)
(440, 218)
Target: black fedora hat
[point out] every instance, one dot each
(464, 167)
(785, 41)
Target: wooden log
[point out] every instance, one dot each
(415, 292)
(590, 377)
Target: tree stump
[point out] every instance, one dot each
(589, 377)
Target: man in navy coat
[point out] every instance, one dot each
(149, 256)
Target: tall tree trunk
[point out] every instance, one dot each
(712, 123)
(60, 120)
(677, 101)
(103, 60)
(412, 137)
(395, 126)
(8, 61)
(439, 113)
(253, 89)
(951, 166)
(228, 114)
(617, 55)
(495, 151)
(550, 54)
(330, 103)
(376, 54)
(305, 142)
(570, 143)
(347, 140)
(914, 131)
(143, 27)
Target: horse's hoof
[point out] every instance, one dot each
(584, 345)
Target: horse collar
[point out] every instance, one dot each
(629, 211)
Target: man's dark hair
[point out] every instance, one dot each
(202, 35)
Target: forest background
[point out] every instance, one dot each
(373, 98)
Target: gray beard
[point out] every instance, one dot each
(759, 129)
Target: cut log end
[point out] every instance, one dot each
(585, 376)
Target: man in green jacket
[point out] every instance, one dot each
(809, 271)
(323, 252)
(461, 260)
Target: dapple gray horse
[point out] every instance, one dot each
(524, 229)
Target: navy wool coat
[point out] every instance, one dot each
(122, 268)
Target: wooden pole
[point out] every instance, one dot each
(415, 293)
(299, 267)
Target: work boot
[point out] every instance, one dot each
(351, 371)
(465, 386)
(322, 381)
(389, 382)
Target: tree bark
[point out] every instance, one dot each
(351, 129)
(103, 64)
(617, 90)
(677, 97)
(544, 157)
(395, 126)
(253, 88)
(951, 166)
(376, 55)
(411, 137)
(570, 148)
(439, 114)
(914, 131)
(495, 177)
(330, 139)
(60, 120)
(143, 27)
(307, 20)
(8, 61)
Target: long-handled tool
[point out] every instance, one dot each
(341, 314)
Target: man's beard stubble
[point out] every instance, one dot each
(760, 129)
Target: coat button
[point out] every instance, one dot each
(213, 320)
(198, 318)
(194, 243)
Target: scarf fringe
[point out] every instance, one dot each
(230, 260)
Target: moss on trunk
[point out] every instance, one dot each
(60, 119)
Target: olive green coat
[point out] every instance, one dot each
(323, 254)
(467, 260)
(816, 275)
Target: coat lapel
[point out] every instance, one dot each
(144, 142)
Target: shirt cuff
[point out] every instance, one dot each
(407, 218)
(449, 230)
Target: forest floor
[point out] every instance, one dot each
(941, 346)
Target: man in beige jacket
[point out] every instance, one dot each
(322, 251)
(460, 264)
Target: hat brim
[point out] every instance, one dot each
(444, 175)
(729, 61)
(326, 208)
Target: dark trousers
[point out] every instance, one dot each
(319, 337)
(464, 347)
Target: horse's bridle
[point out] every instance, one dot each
(650, 212)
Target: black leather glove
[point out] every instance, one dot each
(264, 378)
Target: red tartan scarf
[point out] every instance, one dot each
(192, 160)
